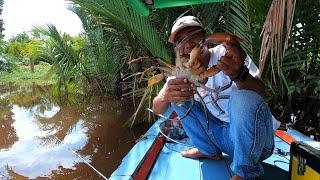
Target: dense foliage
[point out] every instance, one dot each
(1, 20)
(114, 34)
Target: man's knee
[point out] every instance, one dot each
(250, 116)
(244, 99)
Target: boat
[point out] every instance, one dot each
(155, 157)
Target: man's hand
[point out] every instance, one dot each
(178, 90)
(233, 60)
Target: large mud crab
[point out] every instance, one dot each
(184, 68)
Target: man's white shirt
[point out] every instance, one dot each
(220, 80)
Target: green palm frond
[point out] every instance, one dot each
(127, 33)
(301, 58)
(65, 58)
(119, 18)
(101, 64)
(210, 16)
(61, 43)
(237, 21)
(100, 54)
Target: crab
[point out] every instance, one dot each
(184, 68)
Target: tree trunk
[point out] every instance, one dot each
(31, 65)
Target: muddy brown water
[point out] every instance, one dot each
(42, 137)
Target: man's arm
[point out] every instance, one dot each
(176, 90)
(231, 64)
(159, 104)
(253, 84)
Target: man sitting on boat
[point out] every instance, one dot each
(239, 122)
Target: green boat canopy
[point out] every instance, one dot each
(142, 6)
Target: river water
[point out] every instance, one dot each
(44, 136)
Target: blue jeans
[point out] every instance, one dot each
(248, 138)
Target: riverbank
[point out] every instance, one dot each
(22, 76)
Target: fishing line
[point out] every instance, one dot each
(160, 130)
(167, 118)
(279, 161)
(175, 141)
(86, 162)
(160, 115)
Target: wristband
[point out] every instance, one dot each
(242, 75)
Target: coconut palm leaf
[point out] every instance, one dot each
(121, 20)
(210, 16)
(102, 65)
(293, 76)
(66, 59)
(276, 33)
(128, 32)
(237, 21)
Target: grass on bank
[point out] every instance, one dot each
(22, 76)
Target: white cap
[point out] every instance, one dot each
(185, 21)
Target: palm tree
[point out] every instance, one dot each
(65, 58)
(135, 36)
(100, 64)
(120, 20)
(138, 37)
(1, 20)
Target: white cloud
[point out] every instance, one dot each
(22, 15)
(28, 156)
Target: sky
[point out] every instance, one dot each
(22, 15)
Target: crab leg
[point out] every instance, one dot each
(188, 68)
(222, 97)
(210, 72)
(189, 110)
(216, 38)
(220, 89)
(215, 105)
(220, 37)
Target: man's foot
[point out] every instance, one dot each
(195, 153)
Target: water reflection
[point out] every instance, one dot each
(7, 133)
(39, 132)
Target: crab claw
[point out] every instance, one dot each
(210, 72)
(220, 37)
(195, 56)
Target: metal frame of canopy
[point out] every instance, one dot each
(143, 6)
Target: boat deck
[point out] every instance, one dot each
(170, 165)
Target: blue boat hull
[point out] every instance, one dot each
(170, 165)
